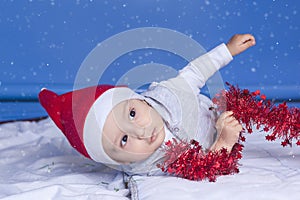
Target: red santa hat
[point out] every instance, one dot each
(81, 115)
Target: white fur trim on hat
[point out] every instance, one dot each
(96, 117)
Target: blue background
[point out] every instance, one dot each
(43, 43)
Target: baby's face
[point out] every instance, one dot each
(132, 131)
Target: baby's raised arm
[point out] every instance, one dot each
(198, 71)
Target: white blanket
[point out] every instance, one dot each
(36, 162)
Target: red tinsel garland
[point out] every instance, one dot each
(252, 108)
(190, 161)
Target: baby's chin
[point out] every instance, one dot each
(159, 139)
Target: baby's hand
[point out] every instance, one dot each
(228, 129)
(239, 43)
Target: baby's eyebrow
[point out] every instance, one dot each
(123, 111)
(116, 141)
(113, 146)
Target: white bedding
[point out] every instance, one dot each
(36, 162)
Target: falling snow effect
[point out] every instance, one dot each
(49, 54)
(43, 44)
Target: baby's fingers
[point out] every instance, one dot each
(238, 127)
(239, 43)
(225, 115)
(223, 118)
(247, 41)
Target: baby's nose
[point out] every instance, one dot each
(143, 133)
(143, 122)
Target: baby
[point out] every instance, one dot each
(123, 129)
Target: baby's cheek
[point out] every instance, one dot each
(143, 120)
(145, 150)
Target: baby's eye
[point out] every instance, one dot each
(124, 140)
(132, 114)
